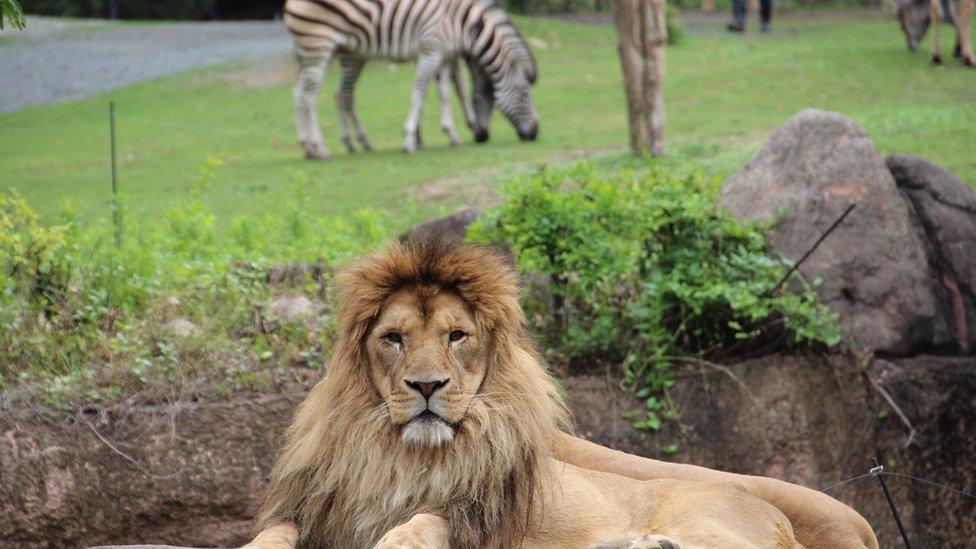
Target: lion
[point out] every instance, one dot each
(437, 426)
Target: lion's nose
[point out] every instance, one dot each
(427, 388)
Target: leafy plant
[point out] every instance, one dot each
(11, 11)
(642, 266)
(84, 319)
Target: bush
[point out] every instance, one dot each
(128, 9)
(643, 267)
(84, 320)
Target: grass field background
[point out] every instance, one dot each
(724, 94)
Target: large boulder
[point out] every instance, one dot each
(946, 210)
(451, 227)
(193, 473)
(873, 267)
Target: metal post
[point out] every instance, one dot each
(878, 471)
(116, 215)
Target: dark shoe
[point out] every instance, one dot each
(736, 27)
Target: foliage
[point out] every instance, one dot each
(128, 9)
(672, 22)
(10, 11)
(82, 319)
(643, 266)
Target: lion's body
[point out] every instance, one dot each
(437, 426)
(583, 508)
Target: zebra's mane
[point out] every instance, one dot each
(497, 27)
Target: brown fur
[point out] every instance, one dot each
(344, 477)
(509, 476)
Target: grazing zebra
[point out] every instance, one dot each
(435, 33)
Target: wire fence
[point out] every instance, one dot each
(903, 476)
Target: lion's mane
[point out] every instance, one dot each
(344, 477)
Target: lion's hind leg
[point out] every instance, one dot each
(647, 541)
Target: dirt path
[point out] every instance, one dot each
(58, 60)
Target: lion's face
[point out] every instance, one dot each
(427, 362)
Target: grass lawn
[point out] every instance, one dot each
(724, 95)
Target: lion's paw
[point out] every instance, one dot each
(653, 541)
(404, 537)
(649, 541)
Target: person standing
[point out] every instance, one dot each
(738, 23)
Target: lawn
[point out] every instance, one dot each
(724, 95)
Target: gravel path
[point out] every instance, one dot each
(57, 60)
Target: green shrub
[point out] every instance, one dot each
(642, 267)
(672, 21)
(128, 9)
(82, 319)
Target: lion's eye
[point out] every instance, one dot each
(456, 335)
(393, 337)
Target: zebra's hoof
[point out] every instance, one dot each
(315, 151)
(455, 142)
(936, 59)
(970, 61)
(349, 145)
(365, 144)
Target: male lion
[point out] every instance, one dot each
(436, 426)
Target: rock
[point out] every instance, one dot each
(295, 309)
(451, 227)
(946, 210)
(184, 474)
(297, 274)
(181, 328)
(193, 473)
(873, 267)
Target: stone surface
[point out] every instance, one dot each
(451, 227)
(873, 267)
(294, 309)
(181, 327)
(946, 210)
(192, 474)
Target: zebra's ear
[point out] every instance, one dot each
(531, 74)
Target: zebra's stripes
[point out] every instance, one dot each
(434, 32)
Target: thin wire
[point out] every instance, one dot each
(910, 477)
(843, 482)
(936, 484)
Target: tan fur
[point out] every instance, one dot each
(962, 23)
(509, 477)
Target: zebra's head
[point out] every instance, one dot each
(503, 71)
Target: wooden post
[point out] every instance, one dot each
(708, 6)
(642, 35)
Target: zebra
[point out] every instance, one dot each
(434, 32)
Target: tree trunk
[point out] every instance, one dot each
(642, 36)
(708, 6)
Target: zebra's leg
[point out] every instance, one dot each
(312, 71)
(935, 15)
(351, 69)
(462, 95)
(428, 63)
(964, 38)
(447, 118)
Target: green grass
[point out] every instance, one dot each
(724, 95)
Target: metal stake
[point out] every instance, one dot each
(116, 215)
(878, 471)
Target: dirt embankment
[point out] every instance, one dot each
(191, 475)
